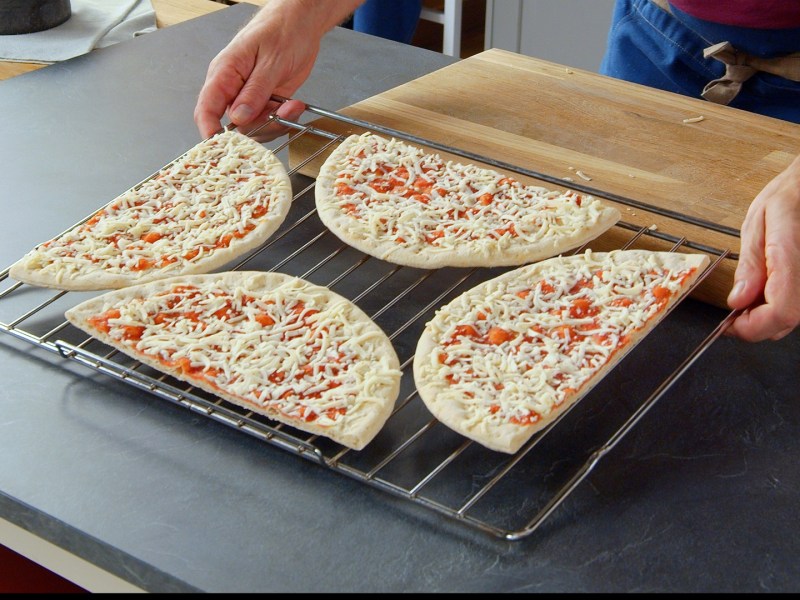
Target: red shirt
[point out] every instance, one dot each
(756, 14)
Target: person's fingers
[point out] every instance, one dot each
(223, 83)
(207, 112)
(263, 131)
(779, 312)
(761, 323)
(253, 100)
(768, 275)
(239, 80)
(263, 59)
(274, 71)
(751, 271)
(291, 110)
(211, 105)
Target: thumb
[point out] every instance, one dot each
(247, 106)
(751, 271)
(252, 99)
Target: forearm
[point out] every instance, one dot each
(314, 17)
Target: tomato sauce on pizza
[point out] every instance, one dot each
(518, 349)
(288, 349)
(221, 198)
(397, 202)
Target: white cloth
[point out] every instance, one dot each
(93, 24)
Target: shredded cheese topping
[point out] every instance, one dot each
(514, 349)
(397, 192)
(211, 197)
(294, 350)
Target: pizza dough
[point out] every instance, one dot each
(223, 198)
(393, 201)
(272, 343)
(506, 358)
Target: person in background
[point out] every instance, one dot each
(743, 53)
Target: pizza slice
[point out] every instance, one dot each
(272, 343)
(394, 201)
(223, 198)
(506, 358)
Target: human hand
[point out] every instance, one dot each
(767, 278)
(273, 54)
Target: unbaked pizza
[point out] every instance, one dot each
(223, 198)
(272, 343)
(506, 358)
(396, 202)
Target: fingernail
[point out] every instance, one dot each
(242, 114)
(738, 288)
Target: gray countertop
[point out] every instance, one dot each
(702, 495)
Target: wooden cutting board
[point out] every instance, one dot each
(626, 140)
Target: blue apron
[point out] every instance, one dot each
(391, 19)
(650, 46)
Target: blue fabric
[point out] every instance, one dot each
(647, 45)
(391, 19)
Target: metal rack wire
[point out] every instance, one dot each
(413, 457)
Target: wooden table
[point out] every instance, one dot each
(683, 166)
(168, 12)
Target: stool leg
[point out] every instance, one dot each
(453, 10)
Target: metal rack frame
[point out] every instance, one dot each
(413, 457)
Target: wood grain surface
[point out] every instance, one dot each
(629, 142)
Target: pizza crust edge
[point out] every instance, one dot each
(355, 432)
(341, 226)
(509, 437)
(102, 280)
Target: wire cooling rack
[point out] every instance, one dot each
(414, 457)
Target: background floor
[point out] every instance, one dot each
(18, 575)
